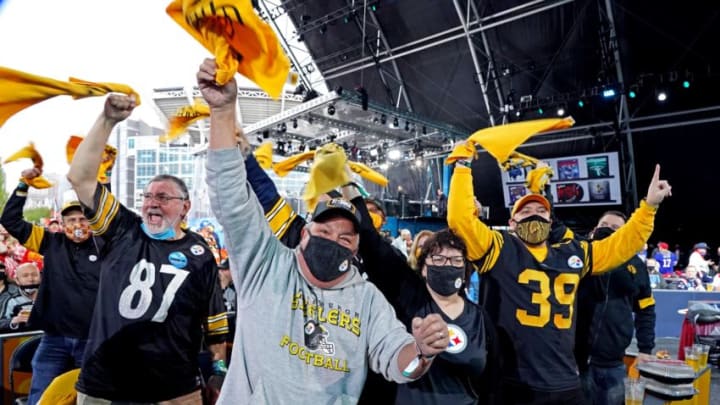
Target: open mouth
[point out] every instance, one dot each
(155, 219)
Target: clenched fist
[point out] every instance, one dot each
(431, 334)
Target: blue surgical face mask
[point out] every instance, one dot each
(167, 234)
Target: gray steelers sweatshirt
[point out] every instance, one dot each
(294, 343)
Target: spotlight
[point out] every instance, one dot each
(581, 103)
(266, 134)
(560, 111)
(686, 84)
(418, 162)
(331, 110)
(294, 121)
(633, 92)
(540, 111)
(383, 119)
(608, 93)
(282, 128)
(661, 95)
(424, 130)
(394, 154)
(373, 152)
(395, 122)
(407, 126)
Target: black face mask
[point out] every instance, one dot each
(326, 259)
(445, 280)
(29, 289)
(602, 233)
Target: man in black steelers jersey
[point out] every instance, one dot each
(158, 288)
(529, 285)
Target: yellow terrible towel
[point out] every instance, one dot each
(19, 90)
(106, 165)
(31, 153)
(239, 39)
(327, 172)
(500, 141)
(184, 116)
(263, 155)
(61, 390)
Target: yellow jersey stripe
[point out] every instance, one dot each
(35, 239)
(280, 217)
(646, 302)
(107, 208)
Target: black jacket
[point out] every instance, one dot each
(606, 304)
(70, 276)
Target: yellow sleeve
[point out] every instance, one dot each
(106, 209)
(217, 324)
(462, 220)
(280, 217)
(616, 249)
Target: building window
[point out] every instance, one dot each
(146, 156)
(131, 143)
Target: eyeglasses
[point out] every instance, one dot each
(161, 197)
(440, 260)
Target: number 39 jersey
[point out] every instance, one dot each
(532, 303)
(154, 299)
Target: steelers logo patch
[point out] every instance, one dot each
(197, 250)
(575, 262)
(458, 339)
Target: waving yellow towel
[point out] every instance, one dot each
(327, 171)
(240, 40)
(263, 155)
(500, 141)
(31, 153)
(19, 90)
(106, 165)
(184, 116)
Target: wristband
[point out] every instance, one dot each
(463, 162)
(416, 362)
(219, 367)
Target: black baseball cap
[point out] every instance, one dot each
(335, 207)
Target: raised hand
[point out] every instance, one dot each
(431, 334)
(658, 189)
(30, 174)
(118, 107)
(217, 96)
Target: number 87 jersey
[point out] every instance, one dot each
(532, 303)
(154, 300)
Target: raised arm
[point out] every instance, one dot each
(234, 204)
(89, 154)
(31, 236)
(461, 213)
